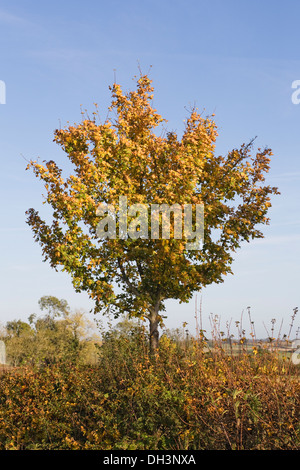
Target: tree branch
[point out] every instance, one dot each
(125, 278)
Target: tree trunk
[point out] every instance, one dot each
(154, 334)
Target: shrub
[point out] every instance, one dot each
(185, 397)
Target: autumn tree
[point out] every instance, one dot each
(130, 154)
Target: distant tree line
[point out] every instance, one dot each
(58, 335)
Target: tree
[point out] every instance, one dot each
(58, 338)
(126, 156)
(18, 328)
(48, 339)
(54, 306)
(19, 340)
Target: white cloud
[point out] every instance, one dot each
(288, 176)
(9, 18)
(12, 229)
(277, 240)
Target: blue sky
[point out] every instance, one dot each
(236, 59)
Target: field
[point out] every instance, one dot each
(192, 395)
